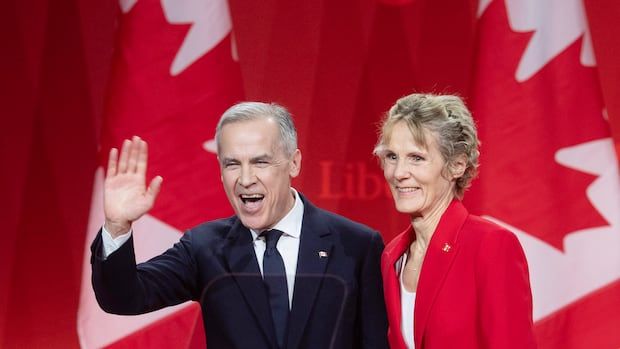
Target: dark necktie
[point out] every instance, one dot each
(274, 275)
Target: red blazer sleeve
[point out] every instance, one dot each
(505, 296)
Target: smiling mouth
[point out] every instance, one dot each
(251, 198)
(407, 189)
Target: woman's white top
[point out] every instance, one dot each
(407, 304)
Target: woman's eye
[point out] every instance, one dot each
(415, 158)
(391, 157)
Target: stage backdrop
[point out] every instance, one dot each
(79, 76)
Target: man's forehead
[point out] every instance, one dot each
(248, 150)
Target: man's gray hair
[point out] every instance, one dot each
(246, 111)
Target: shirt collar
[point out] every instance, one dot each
(291, 223)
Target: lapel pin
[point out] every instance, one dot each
(323, 254)
(446, 247)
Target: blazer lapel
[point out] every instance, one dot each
(439, 257)
(314, 251)
(391, 286)
(243, 266)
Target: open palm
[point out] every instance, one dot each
(126, 196)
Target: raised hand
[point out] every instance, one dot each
(125, 195)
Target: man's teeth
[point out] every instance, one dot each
(251, 197)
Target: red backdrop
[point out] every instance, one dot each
(337, 65)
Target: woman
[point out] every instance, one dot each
(452, 279)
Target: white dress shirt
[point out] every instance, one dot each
(407, 306)
(288, 244)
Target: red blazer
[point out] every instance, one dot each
(473, 291)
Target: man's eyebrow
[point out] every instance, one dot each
(261, 157)
(228, 160)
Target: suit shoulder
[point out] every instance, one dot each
(342, 224)
(215, 229)
(486, 232)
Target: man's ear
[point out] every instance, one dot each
(295, 164)
(219, 163)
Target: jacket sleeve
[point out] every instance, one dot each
(372, 320)
(505, 295)
(124, 288)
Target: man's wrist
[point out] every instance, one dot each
(117, 228)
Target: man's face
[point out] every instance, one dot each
(256, 172)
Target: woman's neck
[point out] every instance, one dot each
(424, 225)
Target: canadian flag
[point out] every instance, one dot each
(174, 73)
(548, 167)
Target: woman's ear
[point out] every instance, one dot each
(458, 166)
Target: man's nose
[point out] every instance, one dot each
(247, 177)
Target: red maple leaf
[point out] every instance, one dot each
(523, 124)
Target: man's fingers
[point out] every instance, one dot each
(154, 188)
(122, 161)
(134, 150)
(143, 156)
(112, 162)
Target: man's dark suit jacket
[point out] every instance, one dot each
(337, 299)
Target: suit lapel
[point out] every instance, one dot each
(439, 257)
(243, 266)
(391, 286)
(314, 250)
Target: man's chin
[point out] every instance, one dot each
(254, 223)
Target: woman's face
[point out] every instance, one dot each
(414, 173)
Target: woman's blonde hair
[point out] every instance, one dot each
(447, 117)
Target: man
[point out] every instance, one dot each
(280, 273)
